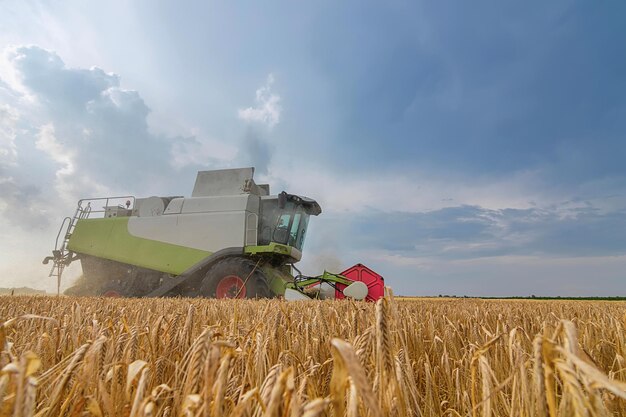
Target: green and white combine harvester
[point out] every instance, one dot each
(230, 239)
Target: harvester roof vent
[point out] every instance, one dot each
(151, 206)
(225, 182)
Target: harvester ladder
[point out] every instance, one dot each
(62, 257)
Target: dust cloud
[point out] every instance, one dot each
(327, 261)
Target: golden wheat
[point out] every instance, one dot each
(63, 356)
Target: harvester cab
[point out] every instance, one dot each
(230, 239)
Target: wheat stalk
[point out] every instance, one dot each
(424, 357)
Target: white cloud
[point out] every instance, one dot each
(47, 142)
(67, 184)
(410, 227)
(267, 109)
(407, 191)
(501, 276)
(200, 152)
(10, 83)
(70, 133)
(8, 126)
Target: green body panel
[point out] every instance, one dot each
(271, 248)
(109, 238)
(277, 278)
(325, 277)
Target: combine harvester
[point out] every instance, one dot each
(230, 239)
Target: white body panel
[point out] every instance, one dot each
(151, 206)
(175, 206)
(322, 290)
(357, 290)
(293, 295)
(221, 204)
(222, 182)
(205, 223)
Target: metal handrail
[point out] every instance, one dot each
(86, 211)
(60, 256)
(56, 242)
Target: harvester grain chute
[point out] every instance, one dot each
(230, 239)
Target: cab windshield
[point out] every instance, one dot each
(286, 226)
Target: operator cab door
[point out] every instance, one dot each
(286, 225)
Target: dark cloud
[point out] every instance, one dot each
(46, 75)
(471, 89)
(255, 150)
(99, 126)
(472, 232)
(24, 205)
(472, 250)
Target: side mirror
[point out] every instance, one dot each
(282, 200)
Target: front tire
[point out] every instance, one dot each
(112, 289)
(235, 278)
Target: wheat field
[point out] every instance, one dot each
(64, 356)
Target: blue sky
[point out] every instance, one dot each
(458, 148)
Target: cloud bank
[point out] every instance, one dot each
(68, 133)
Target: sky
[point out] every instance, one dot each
(467, 148)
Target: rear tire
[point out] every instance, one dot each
(80, 288)
(112, 289)
(235, 278)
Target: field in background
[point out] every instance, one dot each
(430, 357)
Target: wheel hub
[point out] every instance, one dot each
(231, 286)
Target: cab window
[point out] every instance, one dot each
(283, 221)
(281, 232)
(293, 234)
(303, 227)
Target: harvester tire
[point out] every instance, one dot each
(113, 289)
(235, 278)
(80, 288)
